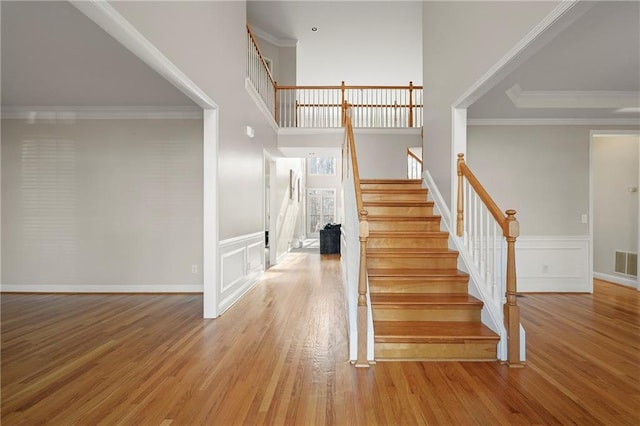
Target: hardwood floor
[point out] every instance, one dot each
(279, 356)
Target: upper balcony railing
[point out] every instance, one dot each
(323, 106)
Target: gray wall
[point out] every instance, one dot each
(283, 60)
(383, 156)
(615, 208)
(461, 41)
(540, 171)
(102, 202)
(211, 50)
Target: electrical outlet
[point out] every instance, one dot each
(545, 269)
(583, 218)
(194, 269)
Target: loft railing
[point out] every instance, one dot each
(485, 230)
(414, 165)
(260, 74)
(357, 233)
(323, 106)
(371, 106)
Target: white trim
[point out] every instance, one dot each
(247, 276)
(102, 288)
(567, 261)
(72, 113)
(210, 232)
(278, 42)
(107, 18)
(553, 122)
(572, 99)
(628, 282)
(553, 24)
(440, 205)
(240, 239)
(251, 89)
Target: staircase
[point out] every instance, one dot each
(420, 301)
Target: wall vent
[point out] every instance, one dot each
(626, 263)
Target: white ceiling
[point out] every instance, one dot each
(361, 43)
(53, 55)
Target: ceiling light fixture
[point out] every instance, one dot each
(314, 29)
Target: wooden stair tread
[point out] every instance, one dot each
(369, 181)
(404, 218)
(408, 234)
(398, 203)
(431, 331)
(422, 299)
(416, 272)
(394, 191)
(416, 252)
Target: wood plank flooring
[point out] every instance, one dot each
(280, 356)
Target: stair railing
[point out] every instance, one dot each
(356, 226)
(480, 232)
(414, 165)
(260, 75)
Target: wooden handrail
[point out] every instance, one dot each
(264, 63)
(510, 231)
(463, 170)
(363, 236)
(415, 157)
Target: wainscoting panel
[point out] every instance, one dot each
(241, 263)
(553, 264)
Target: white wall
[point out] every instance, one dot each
(102, 205)
(461, 41)
(615, 208)
(207, 42)
(384, 156)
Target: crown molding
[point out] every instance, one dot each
(272, 39)
(583, 99)
(70, 114)
(553, 122)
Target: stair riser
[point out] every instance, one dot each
(445, 262)
(404, 226)
(390, 186)
(418, 286)
(469, 314)
(384, 242)
(390, 196)
(463, 351)
(400, 211)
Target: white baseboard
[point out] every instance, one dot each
(629, 282)
(241, 265)
(105, 288)
(553, 264)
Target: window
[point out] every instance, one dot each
(322, 166)
(321, 209)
